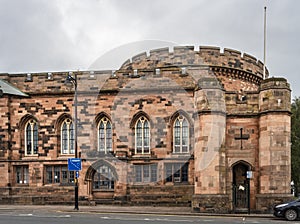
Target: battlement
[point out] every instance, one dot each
(230, 65)
(189, 56)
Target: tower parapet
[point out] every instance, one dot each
(275, 95)
(188, 56)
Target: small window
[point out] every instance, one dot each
(58, 174)
(145, 173)
(22, 174)
(176, 173)
(31, 138)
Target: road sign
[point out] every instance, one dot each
(249, 174)
(74, 164)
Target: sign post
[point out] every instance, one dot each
(249, 176)
(74, 164)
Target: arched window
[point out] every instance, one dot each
(104, 135)
(31, 138)
(67, 137)
(104, 178)
(142, 136)
(181, 135)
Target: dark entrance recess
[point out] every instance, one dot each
(240, 189)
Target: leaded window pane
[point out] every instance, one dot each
(105, 135)
(19, 178)
(176, 172)
(169, 173)
(108, 136)
(56, 174)
(142, 136)
(138, 173)
(181, 135)
(35, 138)
(64, 138)
(153, 173)
(103, 178)
(68, 137)
(145, 173)
(72, 139)
(29, 139)
(101, 137)
(49, 175)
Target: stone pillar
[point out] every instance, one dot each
(209, 192)
(274, 142)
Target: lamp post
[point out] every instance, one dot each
(73, 80)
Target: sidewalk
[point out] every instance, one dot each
(160, 210)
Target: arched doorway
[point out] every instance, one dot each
(240, 185)
(101, 177)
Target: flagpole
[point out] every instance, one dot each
(265, 37)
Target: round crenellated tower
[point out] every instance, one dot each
(233, 69)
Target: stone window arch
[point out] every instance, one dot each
(104, 135)
(103, 178)
(142, 135)
(181, 133)
(31, 137)
(67, 137)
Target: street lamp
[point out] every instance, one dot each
(73, 80)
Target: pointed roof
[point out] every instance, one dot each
(7, 88)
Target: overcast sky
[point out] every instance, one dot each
(59, 35)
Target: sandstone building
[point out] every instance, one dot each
(183, 126)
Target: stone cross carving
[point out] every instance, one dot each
(242, 137)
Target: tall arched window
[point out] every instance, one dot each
(67, 137)
(142, 136)
(181, 135)
(104, 135)
(31, 138)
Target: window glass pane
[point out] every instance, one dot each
(108, 136)
(146, 137)
(19, 179)
(177, 137)
(185, 136)
(25, 175)
(138, 173)
(139, 134)
(28, 139)
(64, 174)
(64, 140)
(177, 172)
(169, 173)
(103, 178)
(35, 138)
(153, 173)
(101, 137)
(72, 139)
(56, 174)
(146, 173)
(49, 176)
(71, 176)
(185, 173)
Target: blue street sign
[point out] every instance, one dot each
(74, 164)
